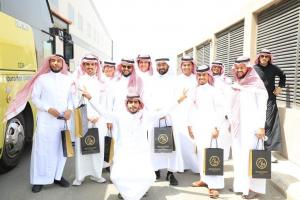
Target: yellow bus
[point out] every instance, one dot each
(27, 36)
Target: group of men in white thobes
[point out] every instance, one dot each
(130, 102)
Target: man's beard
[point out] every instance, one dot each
(265, 64)
(162, 71)
(243, 76)
(126, 75)
(56, 71)
(133, 111)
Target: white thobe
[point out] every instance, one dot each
(120, 90)
(147, 85)
(188, 146)
(222, 84)
(132, 170)
(253, 104)
(51, 90)
(204, 117)
(163, 92)
(91, 164)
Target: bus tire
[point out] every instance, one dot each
(14, 141)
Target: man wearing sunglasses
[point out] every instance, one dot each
(267, 71)
(126, 78)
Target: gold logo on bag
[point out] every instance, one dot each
(261, 163)
(163, 138)
(214, 161)
(90, 140)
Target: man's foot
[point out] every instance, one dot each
(157, 173)
(273, 159)
(199, 184)
(250, 195)
(170, 177)
(120, 196)
(36, 188)
(63, 182)
(76, 182)
(98, 180)
(214, 194)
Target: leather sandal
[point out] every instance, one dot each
(199, 184)
(250, 195)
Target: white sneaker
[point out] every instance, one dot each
(76, 182)
(98, 180)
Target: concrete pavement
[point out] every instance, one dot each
(14, 185)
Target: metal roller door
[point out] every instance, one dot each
(189, 52)
(230, 45)
(203, 53)
(278, 30)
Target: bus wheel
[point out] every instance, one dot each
(14, 141)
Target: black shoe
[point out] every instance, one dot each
(107, 169)
(36, 188)
(172, 179)
(157, 173)
(145, 195)
(63, 182)
(168, 175)
(120, 196)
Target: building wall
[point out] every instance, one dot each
(289, 112)
(87, 29)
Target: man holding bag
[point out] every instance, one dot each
(204, 122)
(132, 172)
(53, 103)
(248, 116)
(90, 163)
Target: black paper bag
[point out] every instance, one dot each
(260, 164)
(163, 139)
(68, 150)
(213, 161)
(90, 142)
(108, 149)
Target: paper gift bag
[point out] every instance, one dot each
(163, 139)
(213, 161)
(108, 147)
(68, 150)
(260, 163)
(80, 120)
(89, 143)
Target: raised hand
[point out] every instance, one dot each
(183, 95)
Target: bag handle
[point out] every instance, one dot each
(262, 144)
(81, 101)
(109, 132)
(66, 125)
(161, 120)
(212, 140)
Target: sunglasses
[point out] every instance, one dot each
(264, 56)
(127, 66)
